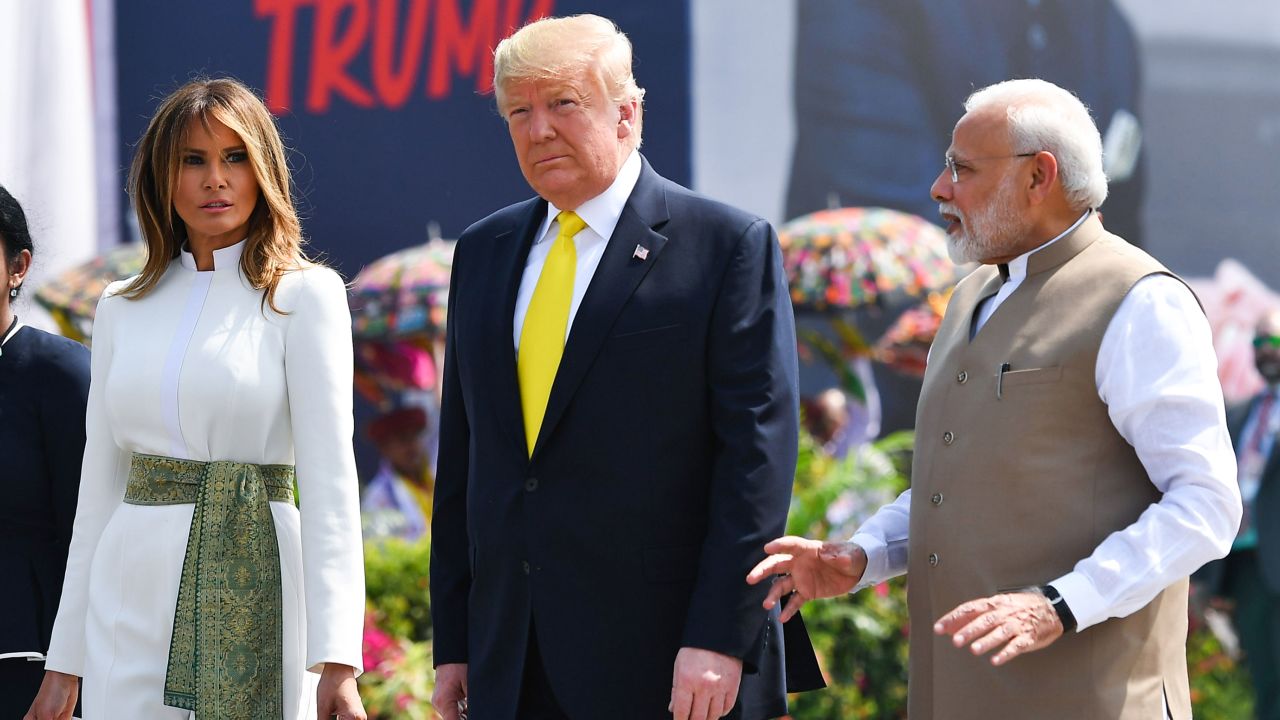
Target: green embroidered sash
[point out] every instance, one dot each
(226, 656)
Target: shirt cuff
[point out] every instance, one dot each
(877, 551)
(1087, 605)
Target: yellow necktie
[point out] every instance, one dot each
(545, 323)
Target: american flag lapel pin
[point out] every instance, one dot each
(641, 252)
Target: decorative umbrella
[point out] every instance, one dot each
(398, 320)
(843, 259)
(403, 294)
(905, 345)
(849, 257)
(72, 297)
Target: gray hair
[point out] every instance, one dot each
(1045, 117)
(557, 48)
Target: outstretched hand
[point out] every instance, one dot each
(807, 569)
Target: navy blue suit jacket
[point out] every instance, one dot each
(44, 386)
(663, 465)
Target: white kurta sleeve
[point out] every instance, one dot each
(1157, 373)
(104, 474)
(318, 371)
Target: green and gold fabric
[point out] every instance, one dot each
(226, 656)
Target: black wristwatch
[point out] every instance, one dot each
(1060, 606)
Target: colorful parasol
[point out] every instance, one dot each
(403, 294)
(905, 345)
(849, 257)
(72, 297)
(398, 320)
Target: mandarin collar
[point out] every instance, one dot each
(224, 259)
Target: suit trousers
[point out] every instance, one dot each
(1257, 620)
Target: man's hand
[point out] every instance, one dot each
(704, 685)
(56, 697)
(1022, 622)
(451, 689)
(336, 694)
(809, 568)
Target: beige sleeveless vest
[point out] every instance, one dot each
(1012, 491)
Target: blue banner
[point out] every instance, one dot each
(386, 104)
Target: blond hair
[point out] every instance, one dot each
(560, 48)
(274, 243)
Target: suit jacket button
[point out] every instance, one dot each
(524, 565)
(936, 499)
(948, 438)
(531, 484)
(933, 560)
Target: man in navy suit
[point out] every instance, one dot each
(619, 421)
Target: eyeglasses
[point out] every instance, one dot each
(955, 166)
(1266, 341)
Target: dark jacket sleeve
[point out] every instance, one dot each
(753, 377)
(450, 574)
(66, 392)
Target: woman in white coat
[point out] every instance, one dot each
(220, 375)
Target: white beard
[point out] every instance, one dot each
(990, 231)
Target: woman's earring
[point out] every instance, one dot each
(13, 291)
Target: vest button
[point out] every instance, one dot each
(936, 499)
(531, 484)
(933, 560)
(948, 438)
(524, 566)
(962, 376)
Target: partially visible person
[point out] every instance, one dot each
(221, 376)
(840, 423)
(1250, 575)
(44, 383)
(877, 84)
(397, 501)
(1072, 464)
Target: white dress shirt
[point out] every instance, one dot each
(601, 214)
(1157, 374)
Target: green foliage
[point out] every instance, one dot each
(395, 577)
(398, 682)
(1220, 688)
(861, 639)
(399, 676)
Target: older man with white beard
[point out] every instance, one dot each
(1072, 462)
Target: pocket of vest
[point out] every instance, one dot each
(1032, 376)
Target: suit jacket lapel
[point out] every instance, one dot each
(616, 278)
(508, 275)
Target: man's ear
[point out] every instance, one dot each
(1044, 176)
(626, 119)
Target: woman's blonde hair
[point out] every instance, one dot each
(274, 243)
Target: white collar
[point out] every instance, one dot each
(602, 212)
(227, 258)
(17, 325)
(1018, 265)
